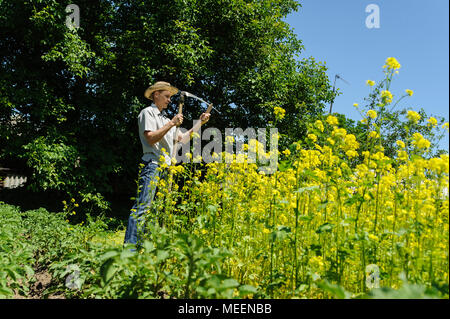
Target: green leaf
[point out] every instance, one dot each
(5, 291)
(326, 227)
(229, 283)
(162, 255)
(29, 271)
(336, 290)
(148, 246)
(246, 290)
(305, 218)
(284, 166)
(13, 274)
(307, 189)
(107, 271)
(109, 254)
(127, 254)
(211, 208)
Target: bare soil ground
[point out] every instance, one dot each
(37, 289)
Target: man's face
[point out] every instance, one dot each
(161, 98)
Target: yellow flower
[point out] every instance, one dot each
(370, 82)
(417, 136)
(364, 121)
(389, 204)
(279, 112)
(351, 153)
(266, 231)
(373, 134)
(419, 141)
(423, 143)
(283, 218)
(339, 132)
(287, 152)
(350, 142)
(317, 263)
(355, 104)
(413, 116)
(386, 96)
(432, 122)
(392, 64)
(439, 164)
(332, 120)
(312, 137)
(400, 143)
(445, 126)
(319, 125)
(402, 155)
(373, 237)
(331, 141)
(372, 114)
(409, 92)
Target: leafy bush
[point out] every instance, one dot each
(16, 254)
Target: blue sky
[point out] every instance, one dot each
(414, 32)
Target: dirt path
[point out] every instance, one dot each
(37, 289)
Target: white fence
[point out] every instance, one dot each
(11, 179)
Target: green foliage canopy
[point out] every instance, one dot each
(69, 98)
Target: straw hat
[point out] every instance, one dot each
(160, 85)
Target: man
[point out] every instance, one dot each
(157, 135)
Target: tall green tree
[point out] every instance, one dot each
(69, 98)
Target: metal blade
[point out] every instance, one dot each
(193, 96)
(187, 94)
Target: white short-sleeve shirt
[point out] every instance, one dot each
(151, 119)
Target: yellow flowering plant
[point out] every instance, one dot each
(381, 116)
(340, 200)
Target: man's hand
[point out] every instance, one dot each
(177, 120)
(204, 117)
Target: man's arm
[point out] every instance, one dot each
(154, 137)
(185, 137)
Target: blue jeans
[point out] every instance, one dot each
(146, 192)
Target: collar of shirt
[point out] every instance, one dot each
(157, 111)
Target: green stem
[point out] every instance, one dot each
(272, 213)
